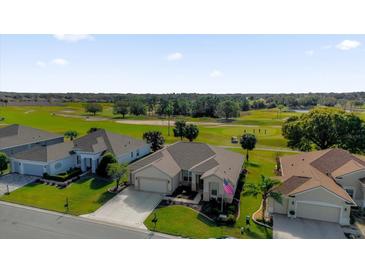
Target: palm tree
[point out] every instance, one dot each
(71, 134)
(265, 188)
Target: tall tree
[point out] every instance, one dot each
(121, 107)
(191, 132)
(228, 109)
(155, 139)
(179, 130)
(93, 108)
(118, 172)
(264, 188)
(248, 142)
(72, 134)
(3, 162)
(324, 128)
(138, 108)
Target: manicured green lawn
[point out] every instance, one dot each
(45, 118)
(84, 196)
(182, 221)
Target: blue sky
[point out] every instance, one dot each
(182, 63)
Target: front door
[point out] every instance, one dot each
(200, 182)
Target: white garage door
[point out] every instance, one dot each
(32, 169)
(153, 185)
(318, 212)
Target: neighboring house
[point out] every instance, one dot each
(198, 165)
(16, 138)
(321, 185)
(85, 152)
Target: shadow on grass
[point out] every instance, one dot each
(105, 196)
(251, 164)
(98, 183)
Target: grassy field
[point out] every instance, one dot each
(173, 219)
(84, 196)
(49, 118)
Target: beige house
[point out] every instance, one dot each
(198, 165)
(321, 185)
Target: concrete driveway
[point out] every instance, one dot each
(129, 208)
(15, 181)
(286, 228)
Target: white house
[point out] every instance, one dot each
(84, 152)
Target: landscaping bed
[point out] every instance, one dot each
(64, 176)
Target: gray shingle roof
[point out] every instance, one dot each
(197, 157)
(188, 154)
(101, 140)
(46, 153)
(16, 135)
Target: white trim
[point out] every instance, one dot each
(313, 188)
(320, 204)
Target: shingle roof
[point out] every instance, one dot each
(197, 157)
(15, 135)
(188, 154)
(46, 153)
(317, 169)
(101, 140)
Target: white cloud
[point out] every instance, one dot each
(309, 52)
(174, 56)
(40, 64)
(73, 37)
(60, 62)
(216, 74)
(348, 44)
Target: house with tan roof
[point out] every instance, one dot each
(321, 185)
(197, 165)
(84, 152)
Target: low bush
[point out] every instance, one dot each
(231, 219)
(64, 176)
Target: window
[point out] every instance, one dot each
(137, 152)
(78, 160)
(132, 154)
(186, 176)
(214, 192)
(350, 192)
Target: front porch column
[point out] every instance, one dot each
(93, 165)
(83, 165)
(193, 182)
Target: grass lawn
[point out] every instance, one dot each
(43, 117)
(183, 221)
(84, 196)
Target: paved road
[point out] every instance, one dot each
(17, 222)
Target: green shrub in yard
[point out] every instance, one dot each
(63, 176)
(107, 159)
(3, 162)
(231, 219)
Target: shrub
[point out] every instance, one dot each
(64, 176)
(107, 159)
(231, 219)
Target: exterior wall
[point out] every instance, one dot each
(153, 173)
(20, 148)
(39, 168)
(62, 165)
(28, 167)
(137, 154)
(351, 181)
(211, 182)
(321, 197)
(275, 207)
